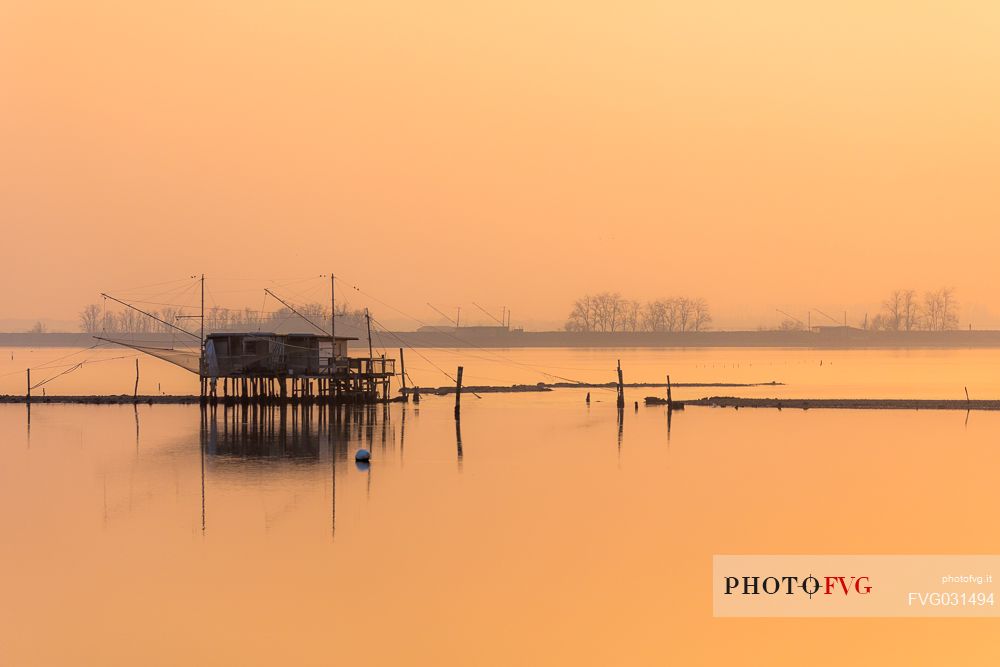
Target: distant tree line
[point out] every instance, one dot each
(94, 319)
(610, 312)
(903, 310)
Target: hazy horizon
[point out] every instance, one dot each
(486, 498)
(519, 154)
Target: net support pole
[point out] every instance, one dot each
(402, 375)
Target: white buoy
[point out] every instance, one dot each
(362, 455)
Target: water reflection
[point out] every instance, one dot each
(529, 539)
(670, 415)
(203, 473)
(299, 432)
(621, 431)
(303, 434)
(458, 439)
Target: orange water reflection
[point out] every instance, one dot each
(541, 540)
(808, 373)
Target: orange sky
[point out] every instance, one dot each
(762, 155)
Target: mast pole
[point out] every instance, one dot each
(368, 320)
(371, 355)
(333, 390)
(201, 358)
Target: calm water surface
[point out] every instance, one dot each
(538, 532)
(806, 373)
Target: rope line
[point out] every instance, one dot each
(78, 366)
(467, 343)
(415, 351)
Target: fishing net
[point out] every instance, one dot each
(187, 358)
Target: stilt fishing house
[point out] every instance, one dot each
(262, 366)
(274, 367)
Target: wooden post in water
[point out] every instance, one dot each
(135, 392)
(385, 380)
(458, 393)
(402, 375)
(28, 396)
(670, 399)
(621, 386)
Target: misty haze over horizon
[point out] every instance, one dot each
(759, 156)
(470, 315)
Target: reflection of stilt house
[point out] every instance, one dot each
(298, 367)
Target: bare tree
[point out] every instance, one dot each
(608, 311)
(90, 318)
(655, 316)
(701, 317)
(903, 312)
(931, 311)
(251, 317)
(911, 310)
(94, 319)
(949, 309)
(891, 318)
(940, 311)
(632, 317)
(581, 318)
(672, 314)
(169, 315)
(109, 323)
(684, 313)
(130, 321)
